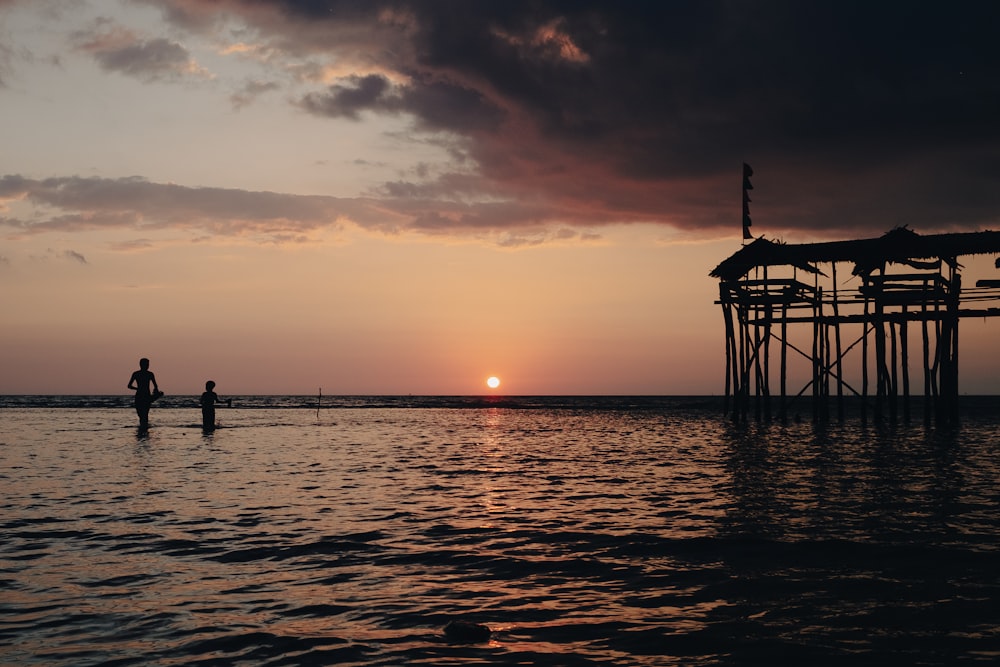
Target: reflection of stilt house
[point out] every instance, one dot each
(769, 290)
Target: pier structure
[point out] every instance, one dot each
(798, 304)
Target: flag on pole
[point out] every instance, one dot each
(747, 173)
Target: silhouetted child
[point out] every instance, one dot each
(208, 401)
(144, 396)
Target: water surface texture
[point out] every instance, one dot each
(581, 531)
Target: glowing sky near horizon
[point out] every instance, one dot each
(407, 197)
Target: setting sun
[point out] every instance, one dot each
(493, 382)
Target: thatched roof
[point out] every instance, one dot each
(899, 246)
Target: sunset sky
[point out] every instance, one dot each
(408, 197)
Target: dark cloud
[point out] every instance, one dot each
(133, 245)
(856, 116)
(82, 204)
(437, 105)
(5, 58)
(349, 99)
(117, 49)
(86, 204)
(75, 256)
(250, 91)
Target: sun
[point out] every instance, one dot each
(493, 382)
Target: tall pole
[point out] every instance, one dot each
(747, 187)
(904, 348)
(768, 315)
(727, 316)
(840, 352)
(925, 340)
(893, 376)
(784, 357)
(880, 369)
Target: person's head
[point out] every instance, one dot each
(144, 363)
(209, 386)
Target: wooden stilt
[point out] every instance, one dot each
(904, 348)
(816, 338)
(864, 353)
(827, 362)
(893, 374)
(784, 359)
(880, 375)
(758, 380)
(727, 316)
(744, 402)
(750, 296)
(953, 318)
(840, 354)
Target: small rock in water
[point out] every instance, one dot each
(464, 631)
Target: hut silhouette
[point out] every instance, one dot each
(769, 288)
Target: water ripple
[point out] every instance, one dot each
(635, 536)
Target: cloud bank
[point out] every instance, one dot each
(75, 204)
(856, 117)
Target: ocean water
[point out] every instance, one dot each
(580, 531)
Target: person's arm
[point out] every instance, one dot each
(131, 383)
(153, 380)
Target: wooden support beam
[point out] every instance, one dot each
(880, 374)
(893, 375)
(757, 306)
(784, 364)
(732, 377)
(864, 360)
(904, 348)
(840, 354)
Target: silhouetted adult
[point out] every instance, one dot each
(146, 391)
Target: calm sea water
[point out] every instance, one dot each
(581, 531)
